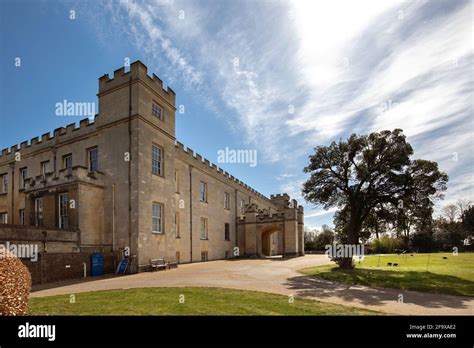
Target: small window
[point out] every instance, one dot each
(4, 218)
(242, 206)
(156, 111)
(156, 160)
(204, 256)
(176, 181)
(227, 254)
(39, 211)
(22, 217)
(157, 218)
(203, 192)
(67, 163)
(226, 231)
(44, 167)
(4, 183)
(176, 224)
(93, 158)
(23, 174)
(63, 210)
(226, 200)
(203, 228)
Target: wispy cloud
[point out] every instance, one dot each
(291, 76)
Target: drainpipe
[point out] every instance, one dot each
(191, 212)
(130, 166)
(113, 217)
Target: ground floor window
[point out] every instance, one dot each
(3, 218)
(204, 256)
(63, 210)
(39, 211)
(157, 218)
(227, 254)
(177, 257)
(203, 228)
(226, 231)
(22, 217)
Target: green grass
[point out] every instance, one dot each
(420, 272)
(197, 301)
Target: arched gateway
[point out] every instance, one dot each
(262, 233)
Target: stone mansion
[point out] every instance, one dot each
(124, 181)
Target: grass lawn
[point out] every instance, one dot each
(197, 301)
(421, 272)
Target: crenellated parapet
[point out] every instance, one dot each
(138, 72)
(204, 164)
(47, 140)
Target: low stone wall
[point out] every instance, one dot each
(51, 267)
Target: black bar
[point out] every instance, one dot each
(292, 331)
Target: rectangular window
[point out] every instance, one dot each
(23, 174)
(63, 210)
(156, 158)
(242, 206)
(204, 256)
(67, 163)
(39, 211)
(203, 228)
(3, 218)
(226, 200)
(203, 192)
(44, 167)
(176, 224)
(226, 231)
(177, 257)
(22, 217)
(227, 254)
(156, 110)
(4, 183)
(176, 181)
(93, 158)
(157, 218)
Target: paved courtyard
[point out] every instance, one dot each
(275, 276)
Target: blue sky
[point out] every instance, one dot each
(279, 77)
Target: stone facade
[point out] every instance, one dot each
(124, 181)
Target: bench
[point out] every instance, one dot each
(157, 264)
(172, 264)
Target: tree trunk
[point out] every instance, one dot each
(353, 238)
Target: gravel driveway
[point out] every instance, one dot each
(276, 276)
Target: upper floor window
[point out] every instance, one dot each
(93, 158)
(226, 200)
(203, 192)
(44, 167)
(3, 218)
(156, 110)
(4, 183)
(242, 206)
(176, 181)
(156, 160)
(23, 174)
(67, 163)
(157, 218)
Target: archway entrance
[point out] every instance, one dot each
(269, 242)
